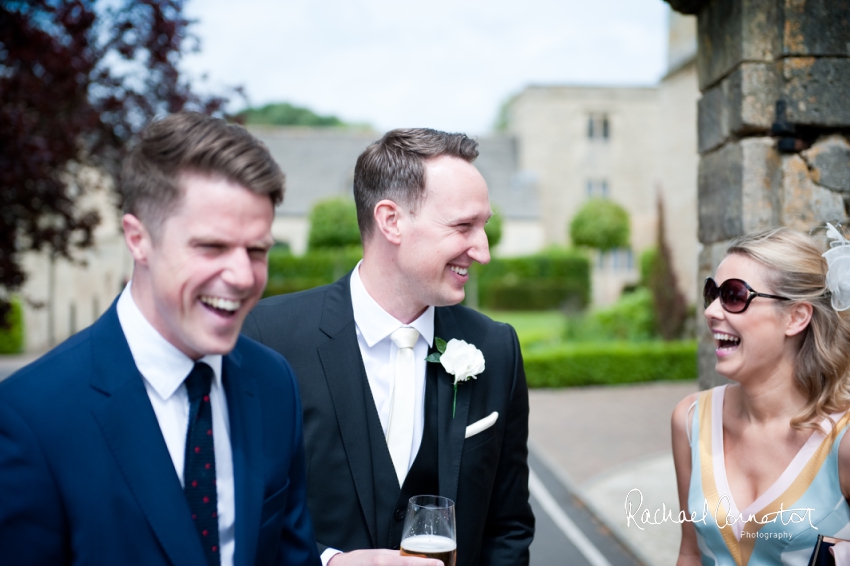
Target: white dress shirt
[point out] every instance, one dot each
(164, 368)
(374, 326)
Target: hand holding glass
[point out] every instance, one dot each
(429, 529)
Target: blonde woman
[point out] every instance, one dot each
(763, 464)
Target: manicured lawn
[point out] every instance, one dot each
(550, 361)
(536, 329)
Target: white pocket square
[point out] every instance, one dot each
(481, 425)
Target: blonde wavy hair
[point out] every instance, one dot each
(796, 269)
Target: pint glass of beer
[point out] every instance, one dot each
(429, 529)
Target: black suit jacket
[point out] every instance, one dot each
(486, 475)
(86, 478)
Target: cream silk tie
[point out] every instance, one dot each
(400, 428)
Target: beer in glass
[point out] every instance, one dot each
(429, 529)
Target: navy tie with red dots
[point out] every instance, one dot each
(199, 466)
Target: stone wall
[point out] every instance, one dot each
(773, 122)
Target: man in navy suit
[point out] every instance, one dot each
(158, 435)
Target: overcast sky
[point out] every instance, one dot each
(446, 64)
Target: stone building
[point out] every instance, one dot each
(626, 144)
(61, 297)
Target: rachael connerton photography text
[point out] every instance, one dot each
(661, 515)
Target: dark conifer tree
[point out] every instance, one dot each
(671, 308)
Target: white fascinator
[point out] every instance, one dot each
(838, 268)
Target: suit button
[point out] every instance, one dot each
(399, 514)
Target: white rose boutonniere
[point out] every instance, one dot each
(458, 358)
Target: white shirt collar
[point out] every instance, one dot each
(162, 365)
(375, 323)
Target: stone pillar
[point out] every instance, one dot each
(774, 123)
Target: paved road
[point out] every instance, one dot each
(566, 532)
(608, 441)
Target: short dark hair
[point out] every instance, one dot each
(189, 142)
(394, 168)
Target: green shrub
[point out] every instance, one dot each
(601, 224)
(554, 279)
(289, 273)
(648, 257)
(333, 224)
(12, 334)
(631, 318)
(611, 363)
(493, 229)
(532, 295)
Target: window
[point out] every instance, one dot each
(620, 259)
(598, 127)
(596, 188)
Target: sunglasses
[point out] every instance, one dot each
(735, 295)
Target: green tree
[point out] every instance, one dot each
(333, 224)
(285, 114)
(600, 224)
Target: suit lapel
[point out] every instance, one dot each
(132, 432)
(346, 379)
(246, 440)
(450, 430)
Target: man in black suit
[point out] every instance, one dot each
(381, 424)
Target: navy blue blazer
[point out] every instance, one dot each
(86, 478)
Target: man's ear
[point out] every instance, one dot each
(137, 237)
(387, 215)
(801, 316)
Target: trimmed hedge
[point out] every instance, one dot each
(536, 282)
(602, 224)
(333, 224)
(611, 363)
(290, 273)
(531, 295)
(12, 337)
